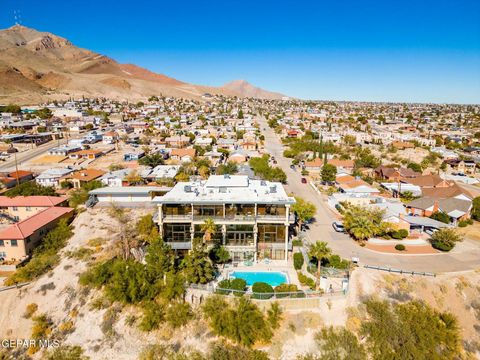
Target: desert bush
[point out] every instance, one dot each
(65, 352)
(242, 321)
(153, 316)
(30, 310)
(178, 314)
(445, 239)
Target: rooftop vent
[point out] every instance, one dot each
(222, 190)
(187, 188)
(273, 189)
(226, 176)
(263, 183)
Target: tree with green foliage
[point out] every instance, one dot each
(11, 108)
(229, 168)
(44, 113)
(365, 158)
(329, 173)
(147, 229)
(305, 210)
(262, 169)
(209, 228)
(440, 216)
(445, 239)
(219, 254)
(196, 265)
(363, 223)
(30, 188)
(152, 160)
(319, 250)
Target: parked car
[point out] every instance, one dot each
(430, 231)
(304, 181)
(338, 226)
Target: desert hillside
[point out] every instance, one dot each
(37, 66)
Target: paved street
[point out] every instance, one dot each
(465, 256)
(25, 156)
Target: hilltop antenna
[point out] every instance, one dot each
(17, 16)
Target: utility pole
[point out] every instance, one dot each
(16, 168)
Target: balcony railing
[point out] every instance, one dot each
(233, 218)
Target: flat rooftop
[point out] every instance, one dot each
(220, 189)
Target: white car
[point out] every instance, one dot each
(338, 226)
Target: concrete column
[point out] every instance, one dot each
(160, 220)
(224, 234)
(255, 239)
(286, 244)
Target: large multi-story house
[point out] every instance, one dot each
(253, 217)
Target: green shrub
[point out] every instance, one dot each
(335, 261)
(399, 234)
(305, 280)
(440, 216)
(462, 223)
(239, 285)
(66, 352)
(297, 260)
(223, 286)
(442, 246)
(400, 247)
(297, 242)
(280, 291)
(262, 290)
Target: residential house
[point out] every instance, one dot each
(466, 167)
(110, 137)
(178, 141)
(89, 154)
(18, 241)
(51, 177)
(19, 208)
(13, 178)
(81, 177)
(183, 155)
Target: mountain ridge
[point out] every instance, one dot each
(36, 66)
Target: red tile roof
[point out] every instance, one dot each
(27, 227)
(34, 201)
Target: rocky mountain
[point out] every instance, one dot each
(36, 66)
(245, 89)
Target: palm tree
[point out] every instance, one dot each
(209, 229)
(319, 250)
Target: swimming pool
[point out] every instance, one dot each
(272, 278)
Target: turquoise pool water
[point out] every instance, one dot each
(272, 278)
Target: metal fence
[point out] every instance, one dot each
(399, 271)
(309, 294)
(17, 286)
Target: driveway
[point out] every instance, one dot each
(466, 255)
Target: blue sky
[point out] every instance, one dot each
(423, 50)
